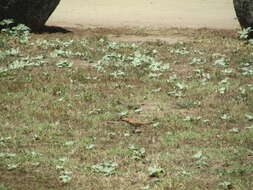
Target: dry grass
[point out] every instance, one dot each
(78, 122)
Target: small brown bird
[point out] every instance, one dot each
(135, 123)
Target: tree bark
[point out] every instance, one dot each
(33, 13)
(244, 12)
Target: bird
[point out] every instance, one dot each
(135, 123)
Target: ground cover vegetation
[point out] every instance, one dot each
(80, 111)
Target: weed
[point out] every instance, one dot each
(155, 171)
(106, 168)
(244, 33)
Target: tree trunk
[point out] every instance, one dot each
(33, 13)
(244, 12)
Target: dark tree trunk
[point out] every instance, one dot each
(244, 12)
(33, 13)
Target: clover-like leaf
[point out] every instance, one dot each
(249, 117)
(155, 171)
(198, 155)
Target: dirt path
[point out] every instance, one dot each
(145, 13)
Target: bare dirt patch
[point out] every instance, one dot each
(119, 18)
(145, 13)
(132, 38)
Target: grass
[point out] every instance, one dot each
(79, 111)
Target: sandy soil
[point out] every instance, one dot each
(145, 13)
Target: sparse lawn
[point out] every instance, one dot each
(79, 111)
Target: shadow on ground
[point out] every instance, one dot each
(52, 29)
